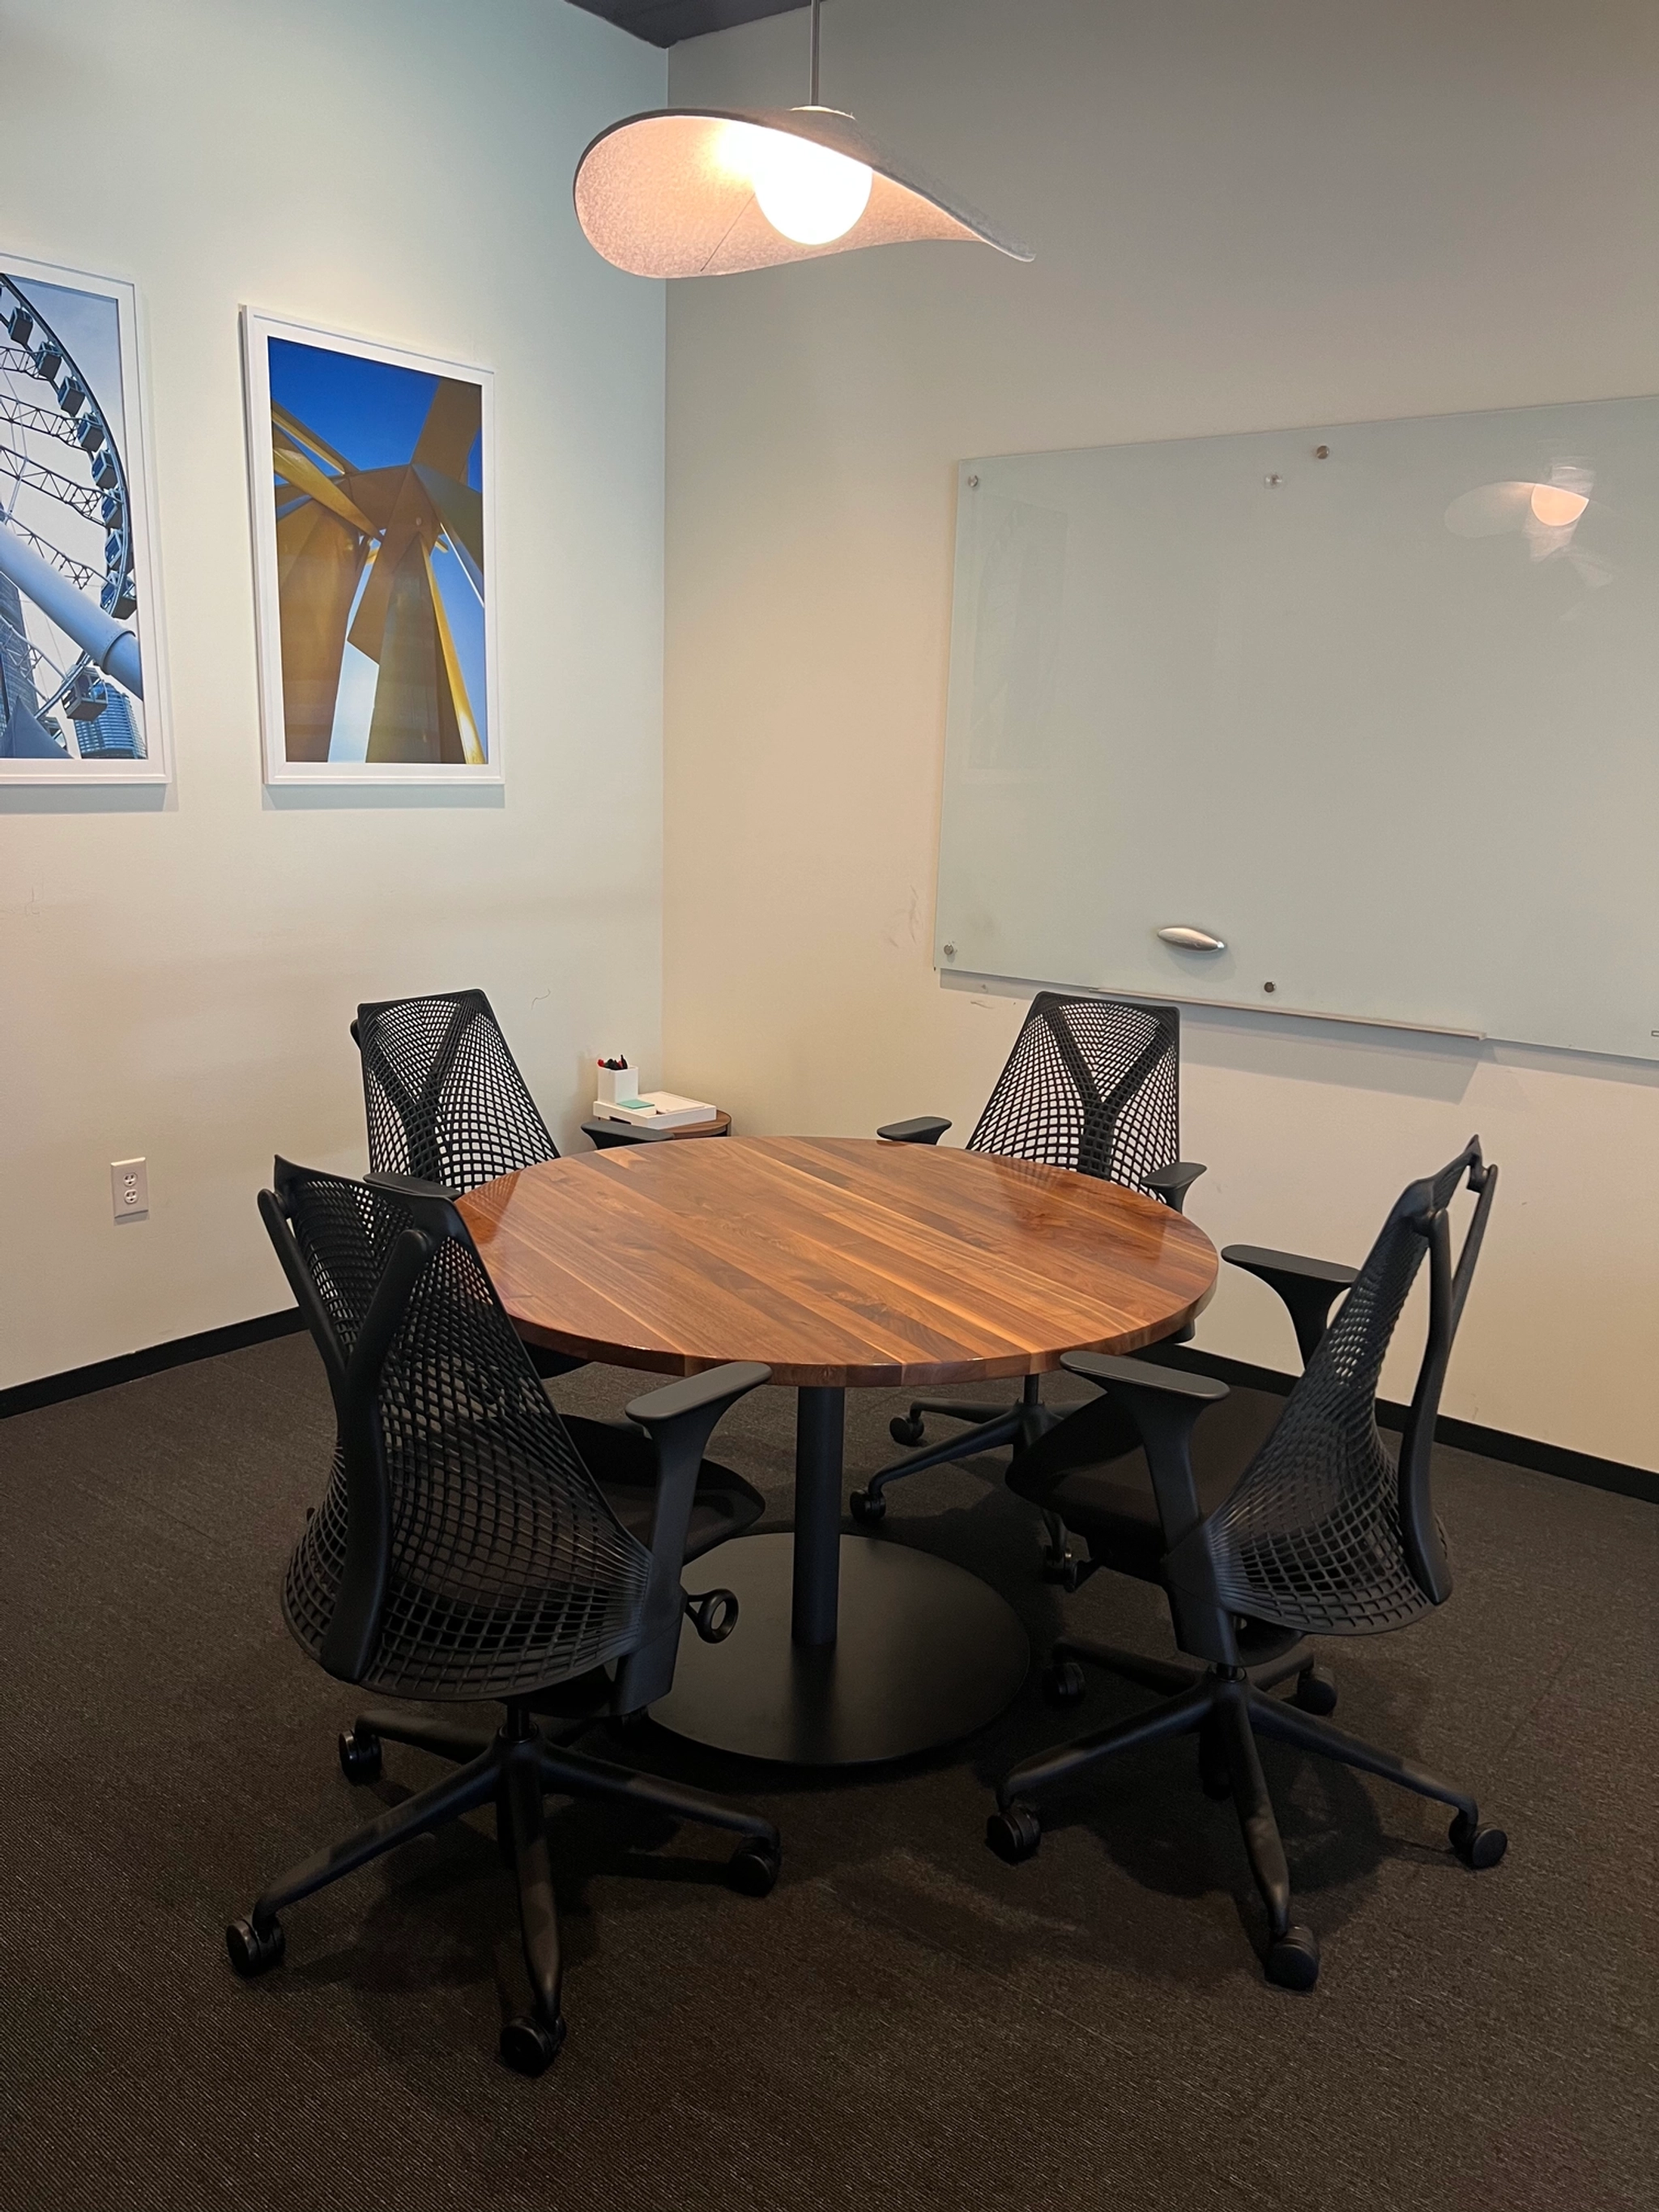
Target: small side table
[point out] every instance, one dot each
(607, 1134)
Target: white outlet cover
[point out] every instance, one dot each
(129, 1188)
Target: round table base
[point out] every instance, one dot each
(927, 1653)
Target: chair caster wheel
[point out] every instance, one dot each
(1476, 1846)
(907, 1429)
(360, 1756)
(1314, 1691)
(1015, 1832)
(1063, 1683)
(530, 2048)
(869, 1507)
(753, 1868)
(1293, 1959)
(255, 1950)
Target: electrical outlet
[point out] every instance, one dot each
(129, 1188)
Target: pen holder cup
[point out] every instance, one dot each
(615, 1083)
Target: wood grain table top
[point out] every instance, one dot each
(836, 1260)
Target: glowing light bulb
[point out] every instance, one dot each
(807, 191)
(1555, 507)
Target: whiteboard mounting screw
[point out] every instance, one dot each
(951, 954)
(1273, 482)
(973, 484)
(1270, 987)
(1322, 452)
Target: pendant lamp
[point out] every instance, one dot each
(696, 192)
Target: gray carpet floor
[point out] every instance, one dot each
(905, 2021)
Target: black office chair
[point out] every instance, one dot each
(1092, 1084)
(474, 1548)
(444, 1100)
(1264, 1532)
(446, 1103)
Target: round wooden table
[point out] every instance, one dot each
(842, 1262)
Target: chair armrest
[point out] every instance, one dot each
(1308, 1287)
(680, 1418)
(1164, 1403)
(716, 1387)
(1172, 1183)
(925, 1129)
(1113, 1373)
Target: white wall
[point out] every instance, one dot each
(1270, 213)
(178, 982)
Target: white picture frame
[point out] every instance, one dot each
(83, 690)
(391, 683)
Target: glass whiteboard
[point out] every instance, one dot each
(1375, 705)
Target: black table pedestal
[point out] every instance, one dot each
(848, 1649)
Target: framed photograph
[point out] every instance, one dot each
(82, 681)
(372, 478)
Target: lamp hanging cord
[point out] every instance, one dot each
(815, 53)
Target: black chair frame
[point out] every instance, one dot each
(1119, 1120)
(1218, 1568)
(446, 1102)
(516, 1766)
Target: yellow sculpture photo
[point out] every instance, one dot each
(373, 562)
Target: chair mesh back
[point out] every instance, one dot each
(345, 1233)
(1092, 1083)
(509, 1571)
(444, 1100)
(1311, 1537)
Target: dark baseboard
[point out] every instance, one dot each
(1462, 1435)
(79, 1381)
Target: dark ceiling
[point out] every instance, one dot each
(665, 22)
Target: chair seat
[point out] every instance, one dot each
(1091, 1473)
(452, 1632)
(622, 1461)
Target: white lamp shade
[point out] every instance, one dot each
(672, 194)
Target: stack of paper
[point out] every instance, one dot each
(663, 1109)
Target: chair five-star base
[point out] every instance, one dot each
(513, 1770)
(1227, 1707)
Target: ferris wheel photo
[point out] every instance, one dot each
(74, 565)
